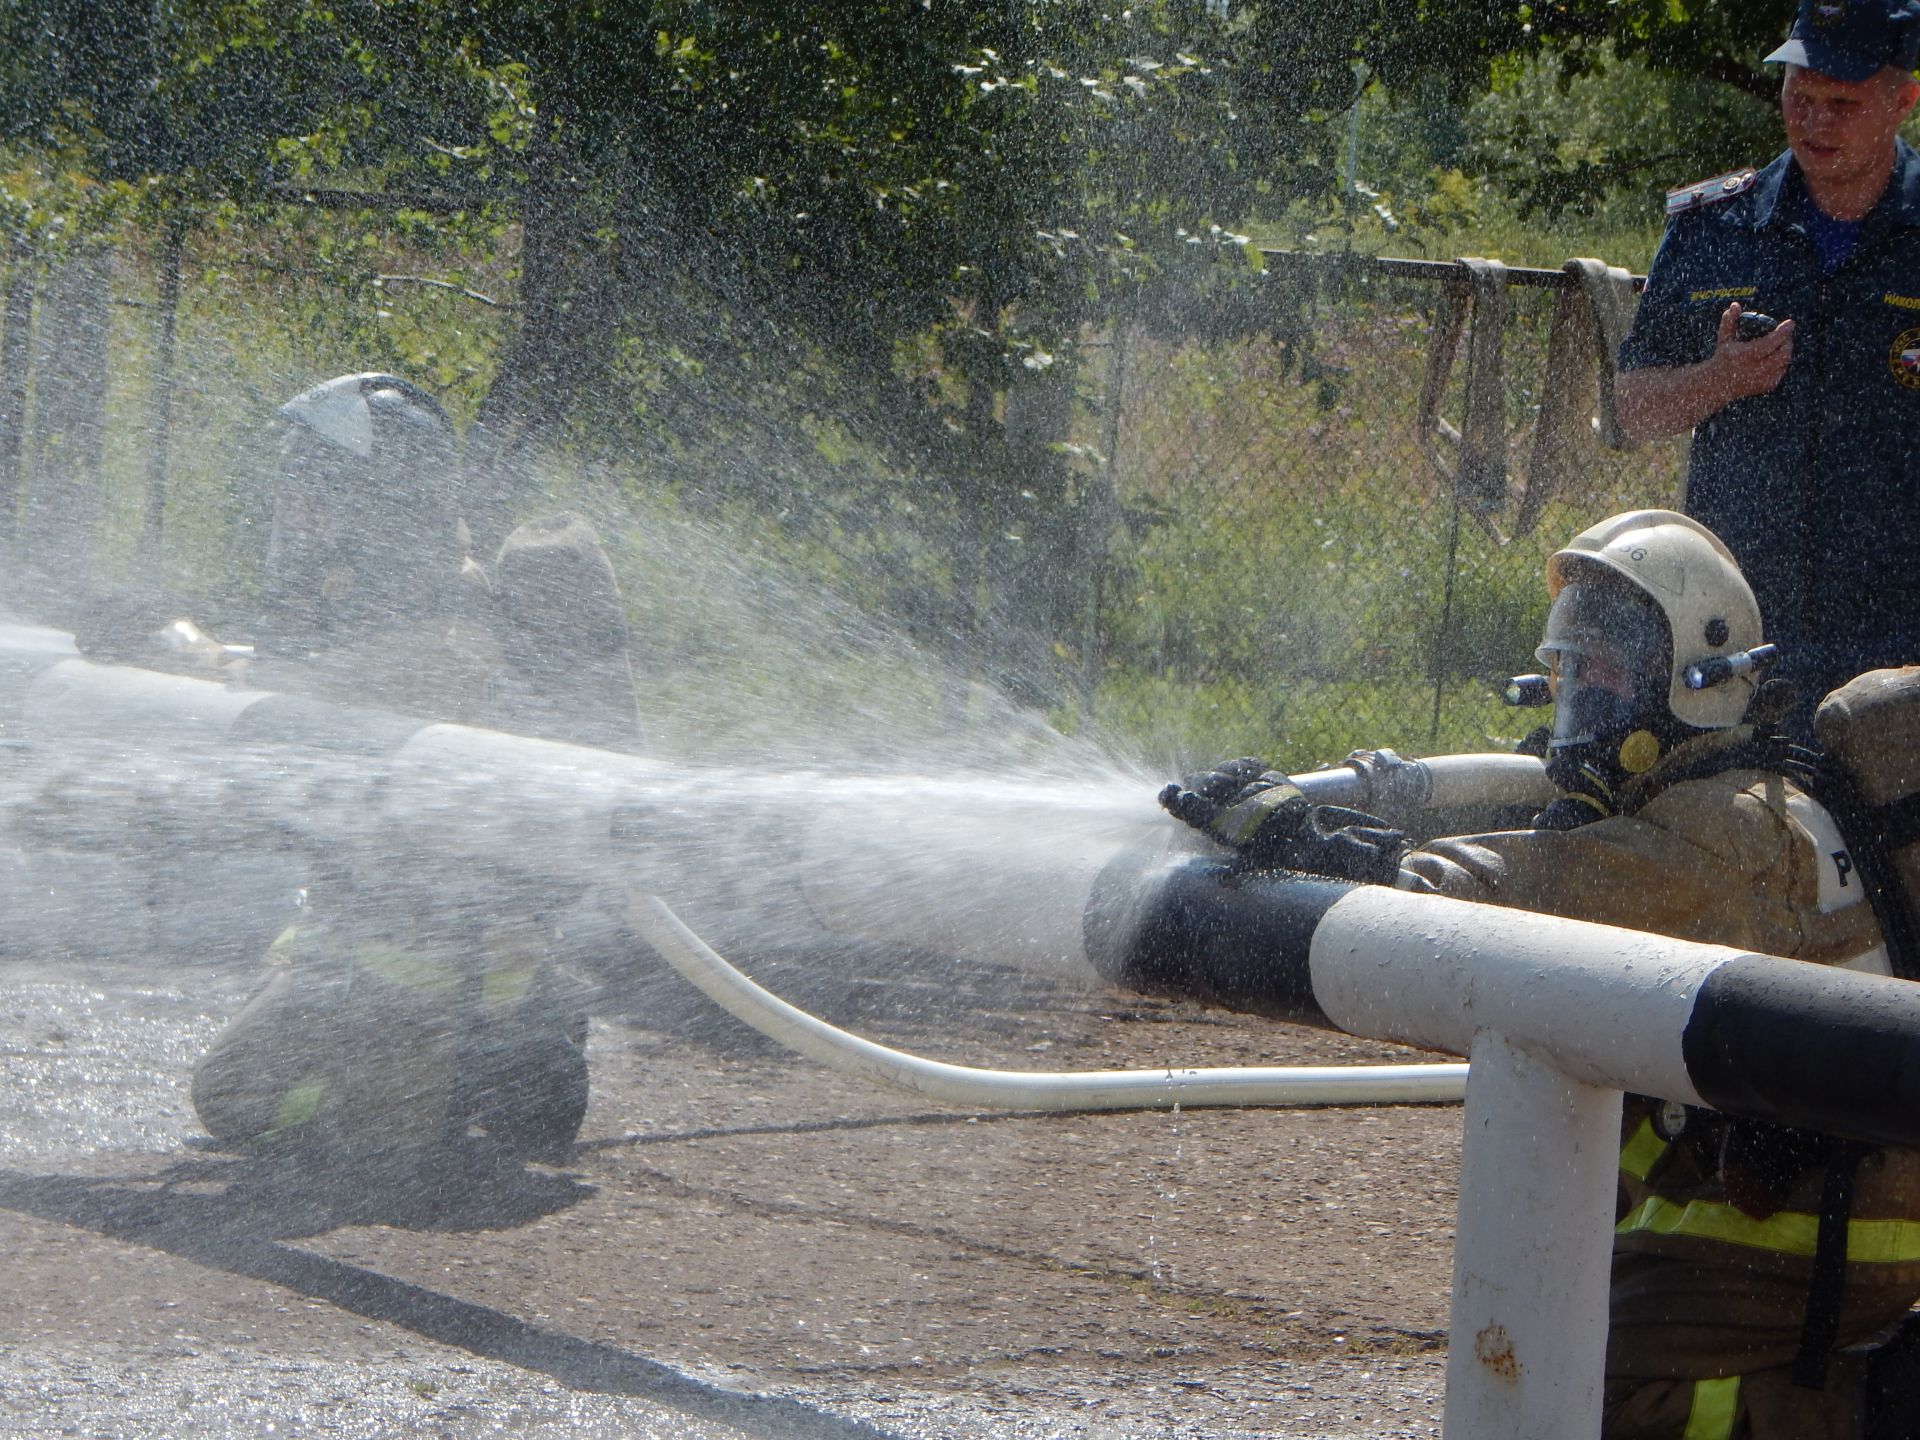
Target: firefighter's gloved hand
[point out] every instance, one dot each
(1344, 844)
(1242, 805)
(1225, 780)
(1202, 799)
(1269, 824)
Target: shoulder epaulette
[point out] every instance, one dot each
(1710, 192)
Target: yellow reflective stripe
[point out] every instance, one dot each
(1638, 1155)
(409, 971)
(1789, 1232)
(1598, 806)
(506, 985)
(299, 1105)
(1242, 822)
(1714, 1405)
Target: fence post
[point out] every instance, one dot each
(1443, 636)
(16, 336)
(68, 443)
(1097, 529)
(160, 399)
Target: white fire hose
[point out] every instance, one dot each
(964, 1085)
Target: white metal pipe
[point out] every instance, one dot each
(34, 640)
(1609, 1005)
(837, 1049)
(74, 699)
(1532, 1250)
(1562, 1015)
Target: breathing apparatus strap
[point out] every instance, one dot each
(1897, 823)
(1742, 747)
(1822, 1324)
(1618, 775)
(1871, 833)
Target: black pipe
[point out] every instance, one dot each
(1789, 1042)
(1195, 927)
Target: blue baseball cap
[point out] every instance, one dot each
(1852, 39)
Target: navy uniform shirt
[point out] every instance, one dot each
(1813, 485)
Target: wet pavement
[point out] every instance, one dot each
(743, 1247)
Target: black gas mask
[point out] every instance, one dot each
(1607, 650)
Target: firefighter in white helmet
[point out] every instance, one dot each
(370, 596)
(394, 1019)
(1758, 1272)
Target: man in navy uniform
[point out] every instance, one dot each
(1804, 438)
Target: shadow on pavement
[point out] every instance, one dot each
(237, 1216)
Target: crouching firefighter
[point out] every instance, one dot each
(370, 597)
(1761, 1276)
(383, 1044)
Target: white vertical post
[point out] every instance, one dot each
(1532, 1250)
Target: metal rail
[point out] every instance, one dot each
(1442, 271)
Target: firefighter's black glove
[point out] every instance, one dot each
(1226, 780)
(1246, 807)
(1345, 844)
(1269, 824)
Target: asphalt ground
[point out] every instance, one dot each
(742, 1244)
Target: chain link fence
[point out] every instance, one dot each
(1299, 569)
(1272, 524)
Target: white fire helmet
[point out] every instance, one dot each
(1688, 573)
(347, 410)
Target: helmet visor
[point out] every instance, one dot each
(1605, 649)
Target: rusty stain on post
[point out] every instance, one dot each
(1493, 1348)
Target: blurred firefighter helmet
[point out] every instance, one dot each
(353, 412)
(365, 512)
(371, 432)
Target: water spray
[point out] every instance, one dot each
(1557, 1017)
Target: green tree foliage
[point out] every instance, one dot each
(745, 231)
(1558, 141)
(1717, 40)
(1629, 100)
(857, 171)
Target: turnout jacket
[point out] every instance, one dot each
(1713, 1252)
(1742, 857)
